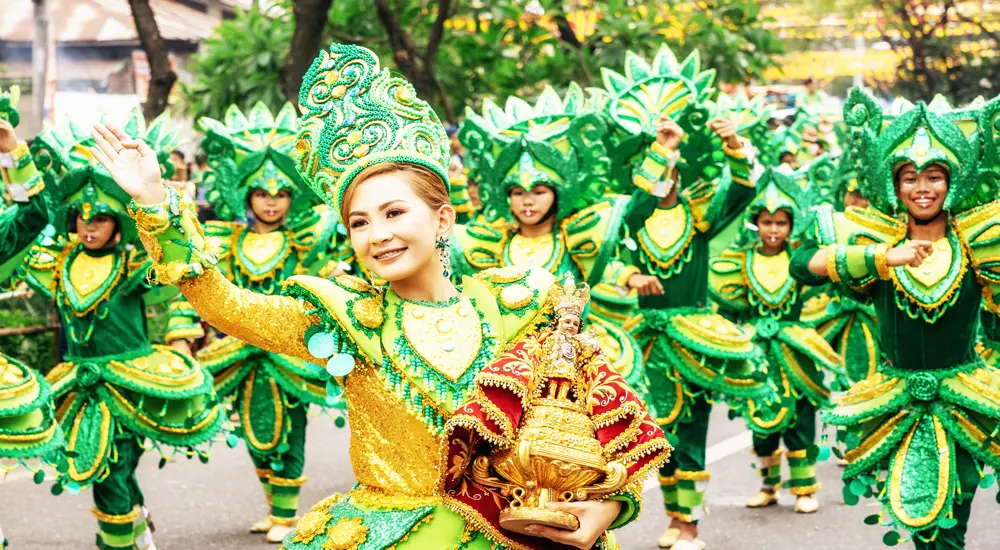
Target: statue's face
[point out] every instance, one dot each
(569, 324)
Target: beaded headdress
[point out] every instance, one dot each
(555, 142)
(632, 103)
(355, 114)
(253, 151)
(963, 141)
(81, 184)
(570, 298)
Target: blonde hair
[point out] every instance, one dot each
(425, 183)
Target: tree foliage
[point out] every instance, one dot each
(457, 52)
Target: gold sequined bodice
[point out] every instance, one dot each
(667, 225)
(447, 338)
(87, 273)
(934, 267)
(261, 248)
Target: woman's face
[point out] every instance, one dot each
(392, 229)
(774, 228)
(98, 233)
(270, 209)
(530, 207)
(922, 193)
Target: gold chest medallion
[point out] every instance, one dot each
(531, 251)
(446, 338)
(934, 267)
(771, 271)
(88, 273)
(666, 226)
(261, 248)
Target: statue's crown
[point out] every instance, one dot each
(570, 298)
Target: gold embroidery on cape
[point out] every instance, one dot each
(446, 338)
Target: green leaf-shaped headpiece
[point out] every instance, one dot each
(632, 103)
(253, 151)
(8, 105)
(81, 184)
(555, 142)
(355, 114)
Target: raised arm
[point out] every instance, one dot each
(21, 222)
(172, 236)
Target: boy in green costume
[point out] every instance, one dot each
(919, 429)
(657, 137)
(116, 389)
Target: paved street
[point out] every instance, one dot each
(198, 506)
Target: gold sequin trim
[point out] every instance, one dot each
(875, 438)
(347, 534)
(311, 525)
(116, 519)
(369, 312)
(285, 482)
(944, 477)
(681, 475)
(159, 427)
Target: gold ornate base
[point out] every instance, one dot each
(517, 519)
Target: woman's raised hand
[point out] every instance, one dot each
(130, 162)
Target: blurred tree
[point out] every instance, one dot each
(455, 52)
(161, 76)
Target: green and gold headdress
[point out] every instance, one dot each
(631, 104)
(355, 114)
(961, 140)
(78, 181)
(749, 115)
(555, 142)
(253, 151)
(778, 188)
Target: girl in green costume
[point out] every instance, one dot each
(406, 356)
(116, 389)
(542, 172)
(27, 418)
(921, 428)
(752, 286)
(658, 136)
(253, 173)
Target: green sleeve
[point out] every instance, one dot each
(640, 208)
(631, 504)
(798, 266)
(22, 222)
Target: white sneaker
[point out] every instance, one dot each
(277, 533)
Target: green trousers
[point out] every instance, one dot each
(683, 479)
(280, 469)
(118, 501)
(968, 481)
(797, 437)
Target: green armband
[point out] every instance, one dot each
(655, 163)
(854, 265)
(739, 165)
(23, 173)
(173, 238)
(629, 511)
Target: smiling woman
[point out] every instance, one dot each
(405, 356)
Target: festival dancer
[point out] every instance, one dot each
(919, 429)
(543, 172)
(27, 418)
(406, 356)
(752, 286)
(681, 200)
(117, 390)
(253, 175)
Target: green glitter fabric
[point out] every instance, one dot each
(356, 114)
(27, 418)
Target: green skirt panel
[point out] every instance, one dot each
(27, 419)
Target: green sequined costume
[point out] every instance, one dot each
(271, 392)
(556, 143)
(756, 290)
(405, 367)
(920, 429)
(691, 355)
(116, 390)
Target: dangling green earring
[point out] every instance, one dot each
(442, 247)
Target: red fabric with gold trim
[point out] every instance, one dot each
(490, 420)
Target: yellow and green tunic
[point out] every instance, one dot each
(583, 244)
(756, 290)
(404, 367)
(272, 391)
(920, 428)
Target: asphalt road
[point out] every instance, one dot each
(210, 506)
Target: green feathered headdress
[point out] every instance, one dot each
(961, 140)
(749, 115)
(8, 105)
(631, 103)
(253, 151)
(355, 114)
(779, 188)
(80, 184)
(555, 142)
